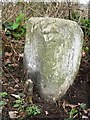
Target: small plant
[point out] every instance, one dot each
(75, 16)
(3, 95)
(73, 112)
(85, 24)
(2, 103)
(83, 106)
(32, 110)
(18, 21)
(19, 103)
(16, 29)
(77, 112)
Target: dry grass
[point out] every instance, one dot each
(60, 10)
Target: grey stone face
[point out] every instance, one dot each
(52, 54)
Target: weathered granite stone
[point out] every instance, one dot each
(52, 54)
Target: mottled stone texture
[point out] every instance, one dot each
(52, 54)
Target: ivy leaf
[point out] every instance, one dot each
(3, 94)
(2, 103)
(83, 106)
(15, 25)
(18, 101)
(20, 17)
(73, 112)
(16, 105)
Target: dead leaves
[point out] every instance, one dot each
(76, 111)
(7, 54)
(16, 114)
(46, 112)
(12, 59)
(13, 114)
(7, 58)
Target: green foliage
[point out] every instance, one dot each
(18, 22)
(2, 103)
(19, 103)
(85, 24)
(75, 16)
(22, 106)
(32, 110)
(16, 29)
(3, 94)
(86, 49)
(15, 25)
(83, 106)
(73, 112)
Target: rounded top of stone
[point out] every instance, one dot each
(44, 21)
(50, 18)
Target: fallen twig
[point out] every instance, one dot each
(9, 72)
